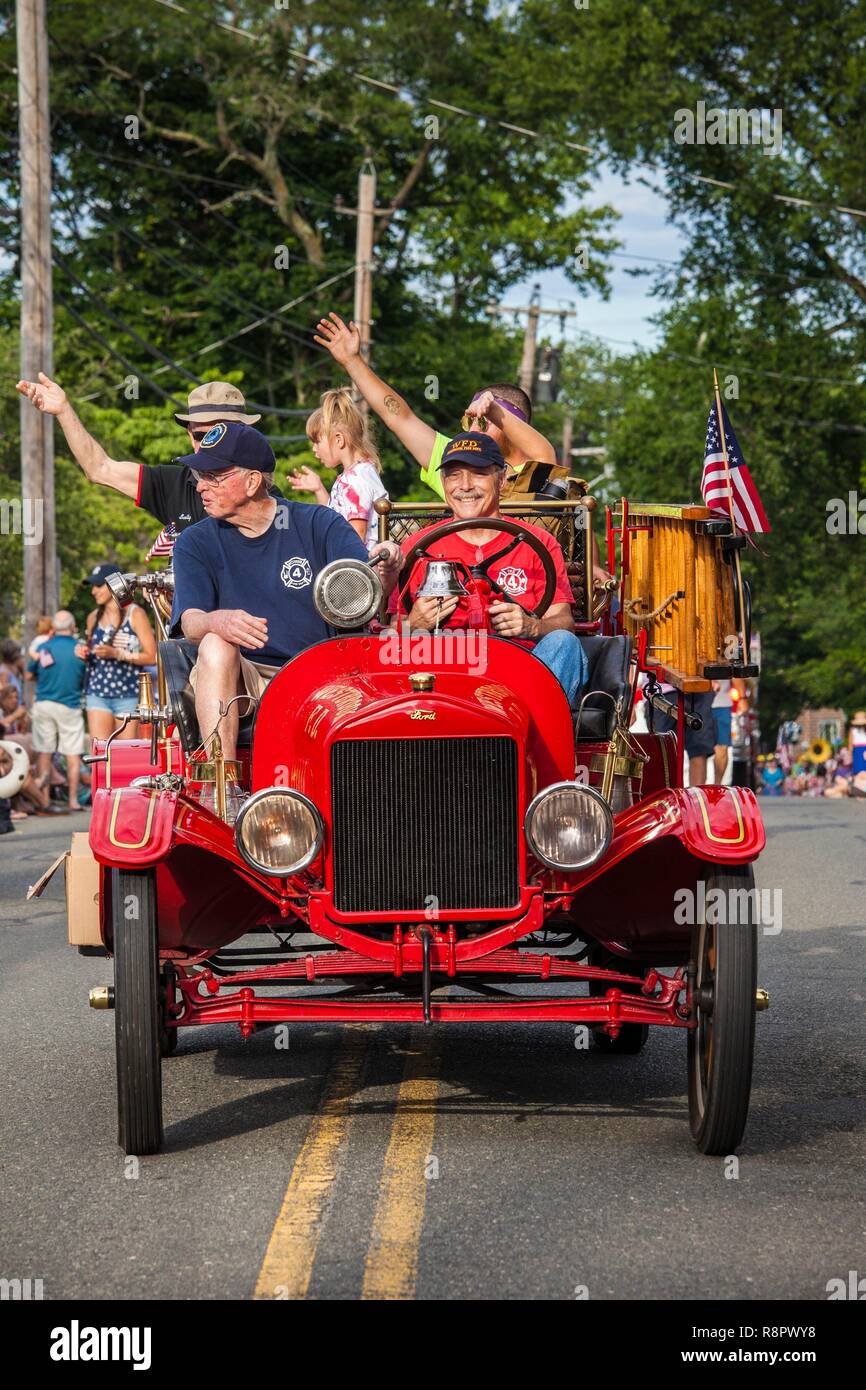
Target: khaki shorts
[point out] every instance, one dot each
(57, 728)
(255, 679)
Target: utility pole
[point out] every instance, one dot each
(364, 254)
(567, 430)
(533, 310)
(365, 237)
(37, 317)
(526, 378)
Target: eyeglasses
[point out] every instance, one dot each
(212, 479)
(479, 421)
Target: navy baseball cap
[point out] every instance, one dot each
(474, 448)
(99, 574)
(231, 445)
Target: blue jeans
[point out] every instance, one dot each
(563, 654)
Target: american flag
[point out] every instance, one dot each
(164, 543)
(748, 512)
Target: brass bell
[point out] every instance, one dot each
(441, 581)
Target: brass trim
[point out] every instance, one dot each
(622, 766)
(207, 772)
(422, 680)
(721, 839)
(688, 511)
(145, 690)
(664, 752)
(128, 844)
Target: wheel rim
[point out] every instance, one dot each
(705, 981)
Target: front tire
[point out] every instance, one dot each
(137, 1012)
(721, 1048)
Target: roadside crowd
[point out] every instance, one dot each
(48, 692)
(842, 773)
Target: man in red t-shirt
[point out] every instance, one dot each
(472, 470)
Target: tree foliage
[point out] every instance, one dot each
(190, 148)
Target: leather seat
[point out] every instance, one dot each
(178, 658)
(608, 659)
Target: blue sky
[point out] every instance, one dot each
(644, 231)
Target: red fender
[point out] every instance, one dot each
(131, 826)
(721, 823)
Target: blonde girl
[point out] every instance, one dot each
(341, 439)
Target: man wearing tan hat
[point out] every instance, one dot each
(166, 490)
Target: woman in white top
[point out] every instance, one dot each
(341, 439)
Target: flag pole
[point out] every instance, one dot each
(735, 532)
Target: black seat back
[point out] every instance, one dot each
(178, 656)
(608, 659)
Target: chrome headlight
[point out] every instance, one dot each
(347, 593)
(279, 831)
(568, 826)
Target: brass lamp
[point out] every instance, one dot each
(224, 776)
(620, 764)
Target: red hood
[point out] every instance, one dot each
(348, 688)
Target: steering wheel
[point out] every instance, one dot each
(420, 551)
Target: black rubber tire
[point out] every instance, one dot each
(137, 1013)
(632, 1037)
(721, 1048)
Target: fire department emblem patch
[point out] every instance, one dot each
(513, 580)
(297, 573)
(213, 436)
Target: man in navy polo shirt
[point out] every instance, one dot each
(244, 576)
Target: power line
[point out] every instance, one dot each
(170, 363)
(221, 342)
(404, 92)
(232, 300)
(707, 365)
(757, 279)
(133, 371)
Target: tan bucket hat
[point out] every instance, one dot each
(859, 719)
(216, 400)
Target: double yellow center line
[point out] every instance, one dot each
(392, 1257)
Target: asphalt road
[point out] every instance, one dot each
(481, 1162)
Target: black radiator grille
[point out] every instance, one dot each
(422, 819)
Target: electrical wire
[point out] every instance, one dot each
(403, 92)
